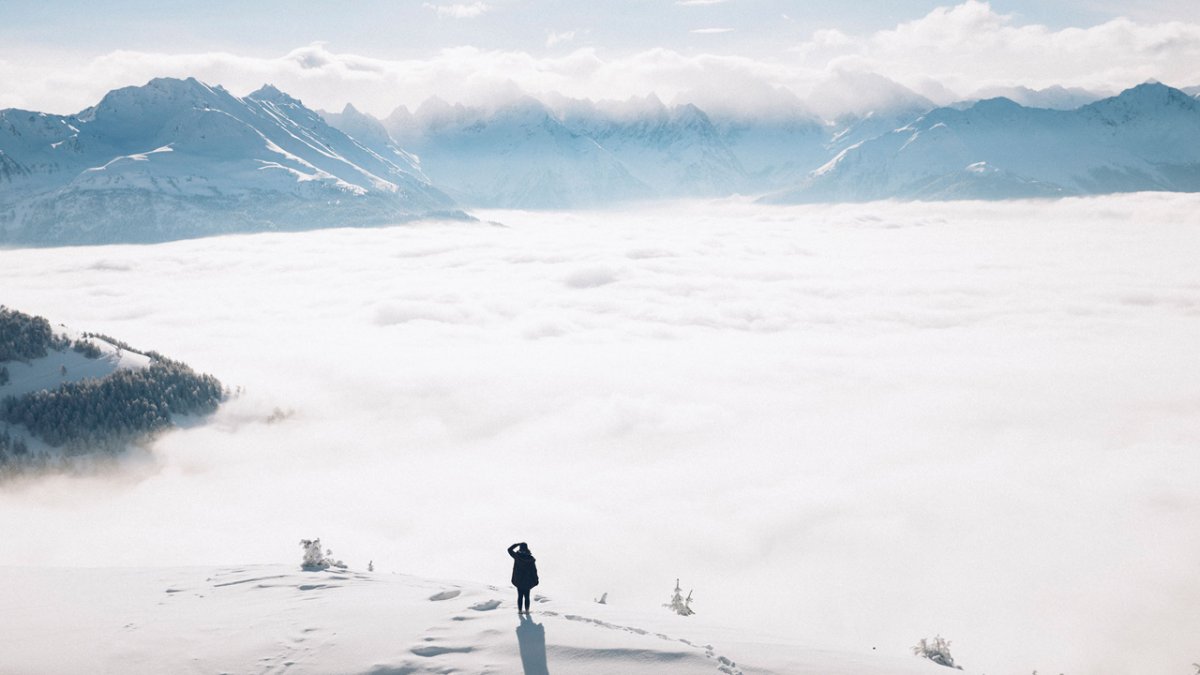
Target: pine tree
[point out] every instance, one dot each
(680, 605)
(937, 650)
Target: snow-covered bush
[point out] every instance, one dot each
(936, 650)
(314, 559)
(679, 604)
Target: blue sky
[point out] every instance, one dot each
(63, 56)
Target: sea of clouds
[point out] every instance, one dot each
(845, 426)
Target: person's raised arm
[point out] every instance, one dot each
(511, 552)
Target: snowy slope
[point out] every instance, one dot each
(1146, 138)
(276, 618)
(49, 372)
(68, 365)
(178, 158)
(517, 156)
(371, 133)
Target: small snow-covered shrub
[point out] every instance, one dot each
(679, 604)
(936, 650)
(314, 559)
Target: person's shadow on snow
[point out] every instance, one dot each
(532, 638)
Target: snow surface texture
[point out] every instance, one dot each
(178, 158)
(848, 427)
(274, 619)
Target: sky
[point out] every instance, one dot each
(63, 56)
(850, 426)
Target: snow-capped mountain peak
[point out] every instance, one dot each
(177, 157)
(1146, 138)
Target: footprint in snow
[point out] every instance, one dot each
(486, 605)
(445, 595)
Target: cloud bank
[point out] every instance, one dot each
(859, 424)
(948, 53)
(459, 10)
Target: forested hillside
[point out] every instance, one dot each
(110, 395)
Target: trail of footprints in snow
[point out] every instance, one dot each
(725, 665)
(428, 650)
(298, 647)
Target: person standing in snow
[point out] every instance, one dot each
(524, 575)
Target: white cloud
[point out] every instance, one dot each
(459, 10)
(971, 45)
(949, 52)
(710, 31)
(927, 408)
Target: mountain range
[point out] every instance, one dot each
(528, 154)
(1146, 138)
(179, 158)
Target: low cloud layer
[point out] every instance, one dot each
(459, 10)
(949, 53)
(849, 426)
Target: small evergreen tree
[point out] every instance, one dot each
(680, 605)
(936, 650)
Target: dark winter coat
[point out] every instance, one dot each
(524, 569)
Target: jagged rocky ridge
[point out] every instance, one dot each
(178, 158)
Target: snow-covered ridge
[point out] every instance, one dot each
(277, 618)
(69, 365)
(1145, 139)
(179, 158)
(67, 396)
